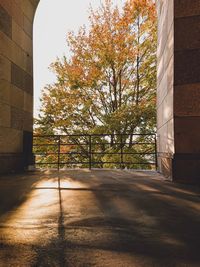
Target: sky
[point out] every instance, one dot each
(53, 19)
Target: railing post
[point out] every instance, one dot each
(58, 166)
(121, 152)
(90, 152)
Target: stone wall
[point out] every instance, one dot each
(165, 85)
(16, 82)
(178, 90)
(186, 165)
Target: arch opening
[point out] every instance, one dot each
(147, 53)
(177, 108)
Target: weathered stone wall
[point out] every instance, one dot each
(16, 81)
(165, 85)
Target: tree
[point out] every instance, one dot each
(108, 84)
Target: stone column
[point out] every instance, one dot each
(16, 83)
(165, 86)
(178, 95)
(186, 162)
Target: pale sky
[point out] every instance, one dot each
(53, 19)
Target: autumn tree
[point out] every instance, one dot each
(108, 84)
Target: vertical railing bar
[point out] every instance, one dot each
(121, 152)
(58, 166)
(90, 152)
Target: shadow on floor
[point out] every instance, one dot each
(101, 218)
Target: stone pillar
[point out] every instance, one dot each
(186, 162)
(179, 89)
(165, 86)
(16, 82)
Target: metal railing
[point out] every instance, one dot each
(135, 151)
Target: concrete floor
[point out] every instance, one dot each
(98, 218)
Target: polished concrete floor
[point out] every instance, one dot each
(98, 218)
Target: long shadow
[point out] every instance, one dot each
(15, 190)
(61, 228)
(53, 254)
(175, 233)
(171, 219)
(170, 237)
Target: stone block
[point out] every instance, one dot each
(7, 5)
(21, 120)
(5, 115)
(28, 64)
(5, 68)
(11, 140)
(22, 58)
(17, 97)
(166, 62)
(28, 102)
(21, 79)
(28, 84)
(35, 3)
(165, 165)
(160, 69)
(168, 107)
(186, 32)
(165, 25)
(18, 55)
(5, 45)
(187, 100)
(28, 121)
(159, 116)
(5, 22)
(162, 39)
(162, 90)
(21, 38)
(28, 9)
(11, 162)
(186, 134)
(186, 168)
(27, 44)
(17, 13)
(13, 9)
(162, 138)
(28, 26)
(170, 16)
(186, 67)
(17, 118)
(183, 8)
(169, 48)
(5, 91)
(170, 136)
(17, 76)
(17, 33)
(170, 74)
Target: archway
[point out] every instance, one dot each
(178, 87)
